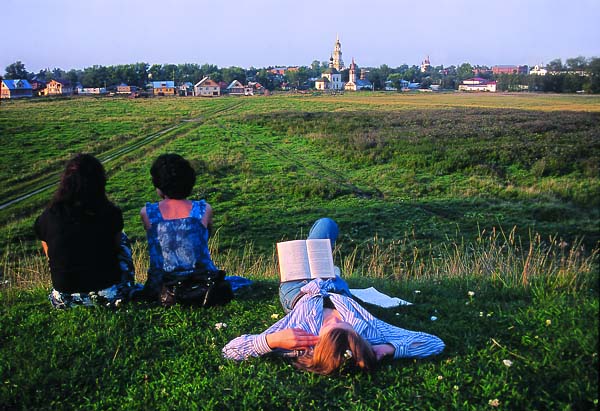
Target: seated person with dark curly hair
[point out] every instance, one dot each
(177, 229)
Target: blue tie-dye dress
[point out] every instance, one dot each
(179, 246)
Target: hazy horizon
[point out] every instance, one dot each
(69, 34)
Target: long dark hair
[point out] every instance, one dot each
(82, 185)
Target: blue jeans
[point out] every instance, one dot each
(289, 291)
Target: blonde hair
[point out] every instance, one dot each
(337, 348)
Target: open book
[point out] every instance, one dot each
(305, 259)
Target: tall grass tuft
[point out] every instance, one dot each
(494, 255)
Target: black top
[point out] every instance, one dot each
(82, 247)
(327, 303)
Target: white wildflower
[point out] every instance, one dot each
(494, 403)
(218, 326)
(508, 363)
(433, 318)
(471, 293)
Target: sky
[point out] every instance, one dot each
(74, 34)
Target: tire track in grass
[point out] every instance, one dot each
(320, 171)
(53, 179)
(310, 166)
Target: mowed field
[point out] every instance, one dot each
(483, 210)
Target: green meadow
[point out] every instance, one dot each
(436, 195)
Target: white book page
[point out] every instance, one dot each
(320, 258)
(293, 260)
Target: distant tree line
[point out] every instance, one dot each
(576, 74)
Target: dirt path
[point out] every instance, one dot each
(52, 180)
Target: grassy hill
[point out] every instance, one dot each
(436, 195)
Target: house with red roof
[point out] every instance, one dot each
(207, 88)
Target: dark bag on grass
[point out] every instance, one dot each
(204, 289)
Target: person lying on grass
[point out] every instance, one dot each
(177, 230)
(81, 232)
(326, 329)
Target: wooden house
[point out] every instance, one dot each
(16, 89)
(207, 88)
(125, 89)
(58, 88)
(164, 88)
(236, 88)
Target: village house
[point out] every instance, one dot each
(125, 89)
(86, 91)
(510, 70)
(538, 70)
(481, 71)
(477, 84)
(92, 91)
(235, 88)
(186, 89)
(163, 88)
(280, 71)
(222, 87)
(58, 88)
(322, 83)
(207, 88)
(16, 89)
(253, 88)
(37, 86)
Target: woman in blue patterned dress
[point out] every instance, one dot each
(177, 229)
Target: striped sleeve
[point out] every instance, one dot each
(412, 344)
(406, 343)
(246, 346)
(255, 345)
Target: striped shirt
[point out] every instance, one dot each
(308, 316)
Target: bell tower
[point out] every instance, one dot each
(338, 63)
(352, 72)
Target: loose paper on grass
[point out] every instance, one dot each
(373, 296)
